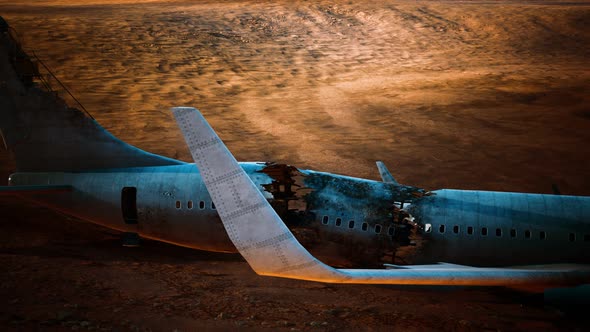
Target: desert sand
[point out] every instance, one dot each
(487, 95)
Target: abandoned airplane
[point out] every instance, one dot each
(285, 221)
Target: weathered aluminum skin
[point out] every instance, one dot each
(96, 197)
(513, 214)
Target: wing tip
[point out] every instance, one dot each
(184, 108)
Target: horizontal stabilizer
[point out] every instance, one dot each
(385, 174)
(270, 248)
(24, 190)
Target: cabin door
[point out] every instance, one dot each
(129, 205)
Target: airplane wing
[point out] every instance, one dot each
(23, 190)
(270, 248)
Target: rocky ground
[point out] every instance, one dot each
(487, 95)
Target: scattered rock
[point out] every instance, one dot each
(333, 312)
(63, 315)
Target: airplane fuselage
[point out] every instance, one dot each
(342, 220)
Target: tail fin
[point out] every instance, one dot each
(45, 134)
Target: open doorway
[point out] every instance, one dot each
(129, 204)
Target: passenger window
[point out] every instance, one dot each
(513, 232)
(377, 229)
(484, 231)
(325, 220)
(572, 237)
(498, 232)
(391, 230)
(201, 205)
(586, 237)
(527, 234)
(338, 222)
(365, 226)
(542, 235)
(456, 229)
(189, 204)
(441, 228)
(351, 224)
(178, 206)
(212, 206)
(427, 228)
(470, 230)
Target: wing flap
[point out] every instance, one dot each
(270, 248)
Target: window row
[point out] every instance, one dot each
(499, 232)
(189, 205)
(351, 224)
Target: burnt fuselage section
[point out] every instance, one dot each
(355, 222)
(345, 221)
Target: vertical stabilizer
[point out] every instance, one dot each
(44, 134)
